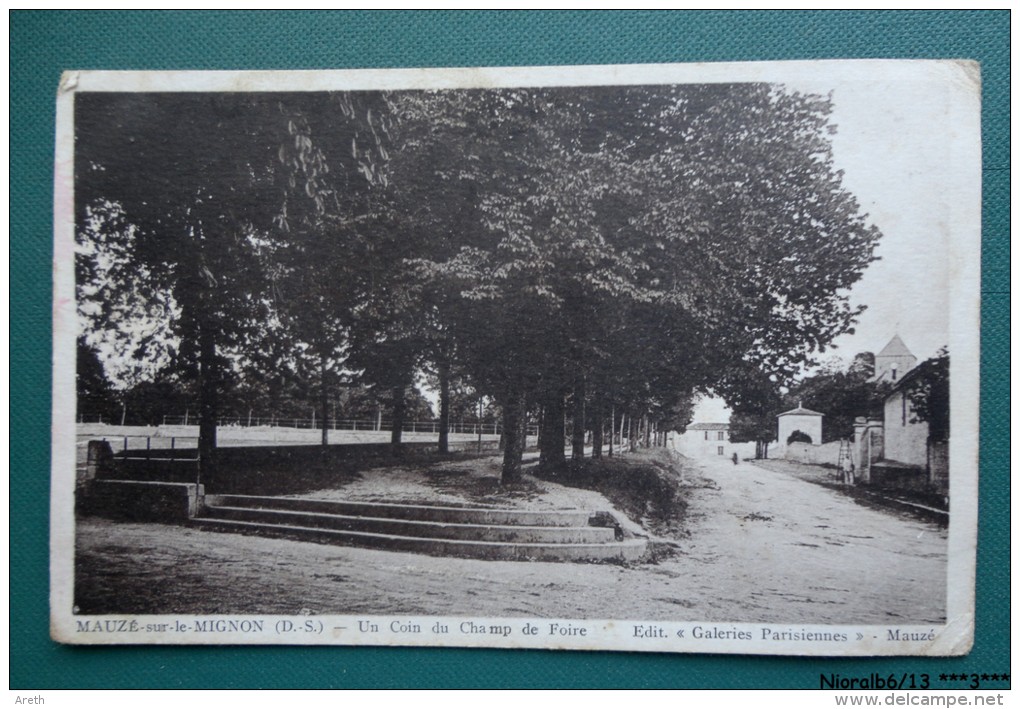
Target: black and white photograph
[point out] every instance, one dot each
(664, 358)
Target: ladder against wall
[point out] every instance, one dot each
(845, 462)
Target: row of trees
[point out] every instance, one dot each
(582, 253)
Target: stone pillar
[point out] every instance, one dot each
(100, 458)
(867, 448)
(859, 450)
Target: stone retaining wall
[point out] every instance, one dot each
(263, 468)
(142, 501)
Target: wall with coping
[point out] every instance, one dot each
(267, 469)
(826, 454)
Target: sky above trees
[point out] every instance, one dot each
(891, 144)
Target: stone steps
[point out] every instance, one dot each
(418, 528)
(480, 533)
(430, 513)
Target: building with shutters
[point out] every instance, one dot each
(709, 440)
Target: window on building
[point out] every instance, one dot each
(706, 435)
(721, 436)
(720, 450)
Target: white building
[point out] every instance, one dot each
(709, 440)
(805, 421)
(910, 456)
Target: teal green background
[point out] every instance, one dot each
(42, 44)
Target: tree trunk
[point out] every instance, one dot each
(552, 456)
(541, 426)
(597, 425)
(524, 427)
(577, 414)
(513, 413)
(208, 404)
(399, 407)
(324, 396)
(444, 407)
(612, 428)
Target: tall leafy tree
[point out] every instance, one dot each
(334, 155)
(190, 174)
(755, 399)
(712, 219)
(203, 189)
(96, 398)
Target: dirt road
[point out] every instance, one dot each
(759, 546)
(775, 548)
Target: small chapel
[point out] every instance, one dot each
(804, 421)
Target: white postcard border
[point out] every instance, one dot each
(955, 637)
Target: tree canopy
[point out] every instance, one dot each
(610, 249)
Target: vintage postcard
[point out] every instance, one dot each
(666, 358)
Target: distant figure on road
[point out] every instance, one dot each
(735, 459)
